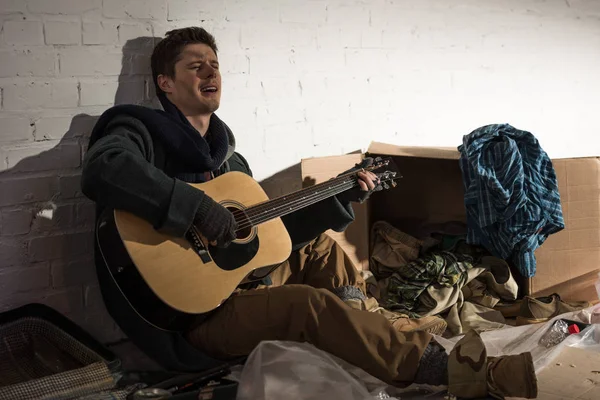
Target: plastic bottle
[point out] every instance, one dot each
(557, 333)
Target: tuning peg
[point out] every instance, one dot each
(385, 185)
(394, 184)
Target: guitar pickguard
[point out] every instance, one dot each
(235, 255)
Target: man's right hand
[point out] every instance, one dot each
(215, 223)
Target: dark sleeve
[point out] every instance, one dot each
(237, 162)
(118, 172)
(307, 223)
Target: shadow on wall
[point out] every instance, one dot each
(46, 242)
(46, 228)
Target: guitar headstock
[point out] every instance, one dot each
(389, 175)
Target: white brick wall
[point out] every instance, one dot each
(301, 79)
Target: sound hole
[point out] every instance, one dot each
(242, 220)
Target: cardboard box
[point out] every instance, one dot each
(431, 191)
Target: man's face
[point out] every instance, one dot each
(196, 87)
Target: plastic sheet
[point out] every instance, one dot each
(279, 370)
(520, 339)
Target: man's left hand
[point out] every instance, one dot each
(368, 183)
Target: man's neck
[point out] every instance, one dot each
(200, 122)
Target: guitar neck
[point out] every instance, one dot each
(283, 205)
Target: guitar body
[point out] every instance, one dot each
(170, 280)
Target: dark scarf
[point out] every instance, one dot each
(198, 154)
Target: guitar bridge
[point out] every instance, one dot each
(193, 237)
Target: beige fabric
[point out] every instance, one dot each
(469, 302)
(300, 306)
(391, 248)
(475, 309)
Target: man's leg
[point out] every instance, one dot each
(317, 316)
(322, 264)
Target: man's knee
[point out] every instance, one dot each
(311, 301)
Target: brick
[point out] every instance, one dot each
(251, 11)
(296, 137)
(279, 64)
(271, 36)
(211, 10)
(373, 60)
(12, 253)
(62, 32)
(85, 214)
(65, 7)
(327, 109)
(182, 10)
(319, 60)
(280, 112)
(303, 37)
(130, 92)
(23, 279)
(140, 65)
(16, 222)
(280, 88)
(65, 301)
(43, 156)
(70, 186)
(98, 92)
(79, 272)
(66, 246)
(134, 31)
(312, 13)
(234, 64)
(100, 324)
(51, 217)
(92, 297)
(12, 6)
(348, 15)
(27, 63)
(136, 9)
(15, 129)
(27, 189)
(23, 33)
(89, 61)
(100, 32)
(27, 96)
(371, 38)
(52, 128)
(10, 301)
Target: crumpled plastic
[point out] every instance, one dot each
(280, 370)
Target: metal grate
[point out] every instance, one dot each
(32, 348)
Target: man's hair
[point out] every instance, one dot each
(168, 51)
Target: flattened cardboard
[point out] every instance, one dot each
(431, 192)
(353, 240)
(573, 375)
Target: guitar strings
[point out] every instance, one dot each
(265, 208)
(284, 201)
(280, 201)
(257, 219)
(305, 201)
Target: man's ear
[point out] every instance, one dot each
(164, 83)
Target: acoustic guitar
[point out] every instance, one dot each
(170, 281)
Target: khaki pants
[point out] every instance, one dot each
(300, 306)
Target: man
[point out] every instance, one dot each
(139, 160)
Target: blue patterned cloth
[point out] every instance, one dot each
(511, 193)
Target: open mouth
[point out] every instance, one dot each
(209, 89)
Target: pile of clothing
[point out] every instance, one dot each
(442, 275)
